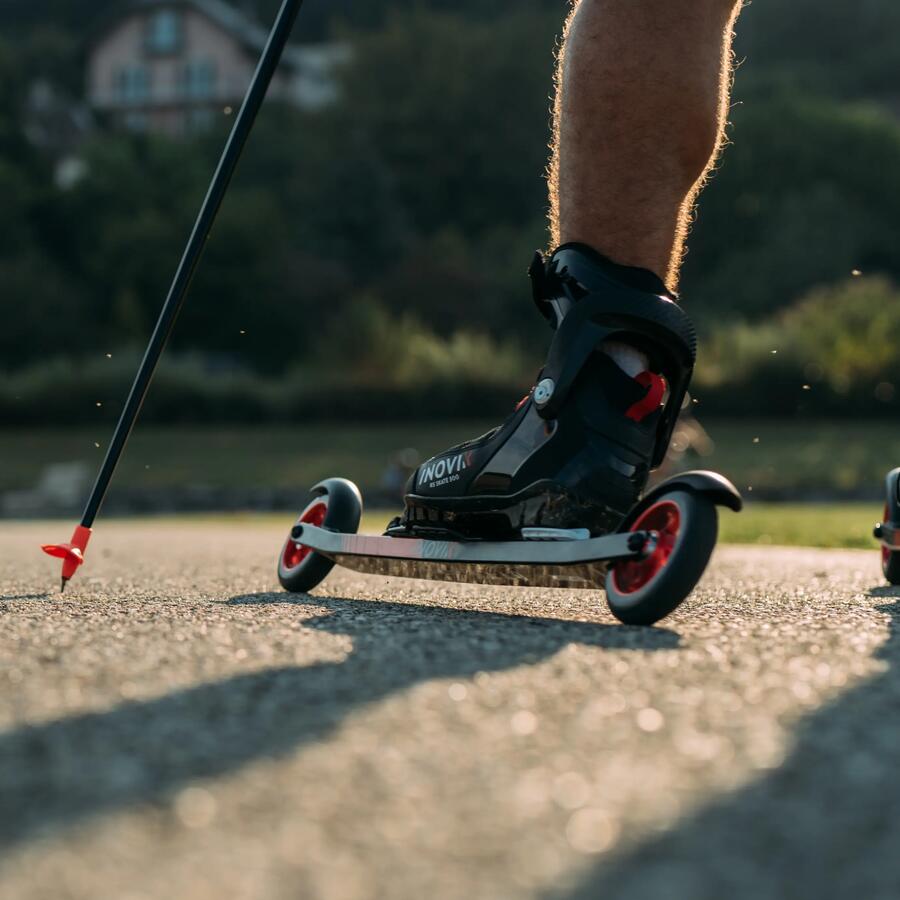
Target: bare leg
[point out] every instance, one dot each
(642, 98)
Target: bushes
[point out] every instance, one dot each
(372, 368)
(369, 346)
(836, 351)
(809, 191)
(185, 390)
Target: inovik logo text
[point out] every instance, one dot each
(444, 470)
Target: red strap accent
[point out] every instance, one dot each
(656, 388)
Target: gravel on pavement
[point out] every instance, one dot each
(174, 726)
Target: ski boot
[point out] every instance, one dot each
(578, 450)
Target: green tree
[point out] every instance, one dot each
(809, 191)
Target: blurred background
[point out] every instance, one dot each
(363, 300)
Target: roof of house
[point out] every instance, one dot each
(238, 24)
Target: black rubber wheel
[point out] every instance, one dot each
(336, 505)
(641, 592)
(890, 559)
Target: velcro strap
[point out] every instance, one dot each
(596, 317)
(540, 287)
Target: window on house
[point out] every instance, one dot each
(199, 79)
(199, 120)
(132, 84)
(164, 32)
(135, 121)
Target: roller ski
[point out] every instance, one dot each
(887, 532)
(554, 497)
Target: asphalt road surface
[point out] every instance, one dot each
(175, 727)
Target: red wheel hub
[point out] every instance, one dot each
(295, 553)
(664, 518)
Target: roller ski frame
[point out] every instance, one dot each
(887, 532)
(648, 567)
(553, 498)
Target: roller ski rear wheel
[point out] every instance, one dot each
(890, 559)
(888, 530)
(643, 591)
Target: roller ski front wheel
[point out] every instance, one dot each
(649, 566)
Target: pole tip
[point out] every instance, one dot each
(72, 554)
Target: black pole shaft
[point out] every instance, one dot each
(243, 124)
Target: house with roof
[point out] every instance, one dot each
(173, 66)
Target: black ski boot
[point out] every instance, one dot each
(578, 450)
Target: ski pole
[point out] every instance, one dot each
(72, 553)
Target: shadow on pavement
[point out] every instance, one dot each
(57, 774)
(824, 824)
